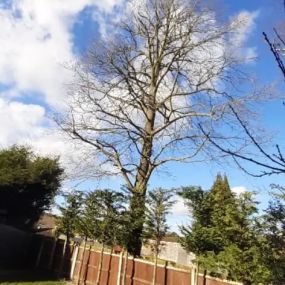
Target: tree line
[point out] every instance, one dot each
(227, 234)
(231, 239)
(104, 216)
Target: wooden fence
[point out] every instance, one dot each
(81, 265)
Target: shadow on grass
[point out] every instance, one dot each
(18, 276)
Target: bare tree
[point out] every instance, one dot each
(141, 95)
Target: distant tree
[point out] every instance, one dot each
(213, 214)
(159, 203)
(273, 229)
(89, 217)
(110, 205)
(223, 233)
(197, 237)
(123, 229)
(242, 257)
(123, 236)
(28, 185)
(224, 213)
(68, 220)
(172, 234)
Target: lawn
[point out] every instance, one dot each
(28, 278)
(35, 283)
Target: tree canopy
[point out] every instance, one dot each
(273, 228)
(28, 185)
(159, 204)
(68, 221)
(223, 233)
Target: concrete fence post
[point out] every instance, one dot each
(193, 275)
(125, 267)
(120, 268)
(74, 259)
(62, 258)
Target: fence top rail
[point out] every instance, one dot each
(180, 269)
(141, 260)
(221, 280)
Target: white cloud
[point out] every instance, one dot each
(245, 21)
(179, 208)
(26, 124)
(238, 190)
(19, 120)
(35, 42)
(179, 215)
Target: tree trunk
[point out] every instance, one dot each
(204, 277)
(154, 269)
(125, 268)
(100, 265)
(137, 213)
(144, 169)
(68, 238)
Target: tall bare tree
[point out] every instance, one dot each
(140, 96)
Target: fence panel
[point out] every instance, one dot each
(180, 277)
(83, 264)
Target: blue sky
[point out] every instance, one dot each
(38, 38)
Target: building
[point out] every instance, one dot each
(46, 225)
(172, 251)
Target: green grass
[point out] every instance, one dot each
(23, 277)
(35, 283)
